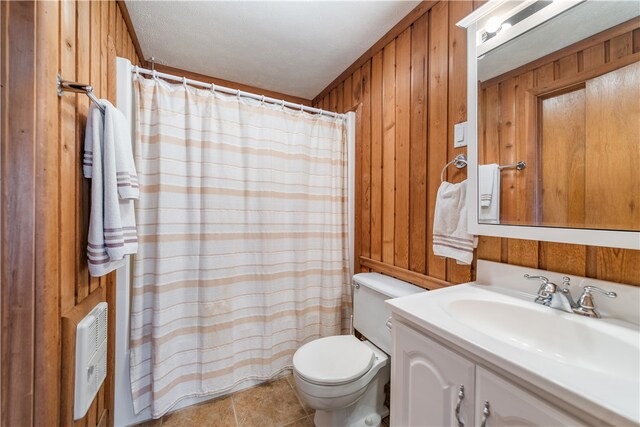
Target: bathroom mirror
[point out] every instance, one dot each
(554, 121)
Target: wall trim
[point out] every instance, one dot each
(234, 85)
(419, 279)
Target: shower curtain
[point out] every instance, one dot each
(242, 228)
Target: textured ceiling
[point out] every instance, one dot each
(292, 47)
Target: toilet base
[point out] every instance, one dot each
(368, 411)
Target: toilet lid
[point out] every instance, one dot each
(333, 360)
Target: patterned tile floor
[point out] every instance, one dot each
(273, 404)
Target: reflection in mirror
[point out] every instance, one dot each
(563, 97)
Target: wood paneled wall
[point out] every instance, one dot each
(46, 288)
(408, 91)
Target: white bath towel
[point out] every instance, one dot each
(489, 193)
(108, 161)
(450, 237)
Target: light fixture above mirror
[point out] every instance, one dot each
(501, 22)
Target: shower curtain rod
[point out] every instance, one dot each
(262, 98)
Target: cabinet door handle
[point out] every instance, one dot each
(485, 414)
(389, 323)
(460, 397)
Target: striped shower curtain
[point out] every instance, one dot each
(242, 227)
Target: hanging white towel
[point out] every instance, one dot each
(489, 193)
(108, 161)
(450, 236)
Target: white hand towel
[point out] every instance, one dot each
(108, 161)
(450, 236)
(489, 193)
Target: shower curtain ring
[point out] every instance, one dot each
(184, 81)
(213, 88)
(282, 104)
(262, 100)
(302, 108)
(154, 74)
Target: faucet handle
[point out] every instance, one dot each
(544, 279)
(610, 294)
(546, 290)
(566, 281)
(585, 304)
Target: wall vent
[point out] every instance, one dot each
(91, 358)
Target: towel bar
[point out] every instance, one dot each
(66, 86)
(519, 166)
(460, 161)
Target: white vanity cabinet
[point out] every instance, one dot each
(425, 381)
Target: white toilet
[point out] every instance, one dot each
(343, 378)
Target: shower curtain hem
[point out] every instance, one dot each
(219, 393)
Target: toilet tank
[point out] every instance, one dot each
(370, 315)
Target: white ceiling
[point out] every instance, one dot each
(292, 47)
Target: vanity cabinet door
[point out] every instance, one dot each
(509, 405)
(425, 382)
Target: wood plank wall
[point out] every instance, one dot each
(408, 90)
(46, 288)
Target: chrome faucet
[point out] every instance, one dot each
(552, 295)
(559, 297)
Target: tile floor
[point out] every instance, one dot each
(273, 404)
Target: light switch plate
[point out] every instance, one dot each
(460, 135)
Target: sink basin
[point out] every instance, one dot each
(552, 334)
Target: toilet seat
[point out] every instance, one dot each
(333, 360)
